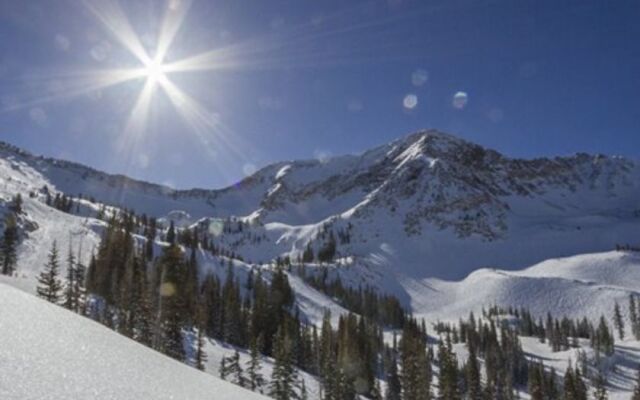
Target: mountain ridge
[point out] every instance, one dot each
(428, 195)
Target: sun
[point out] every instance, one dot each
(154, 71)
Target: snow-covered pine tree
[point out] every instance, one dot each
(284, 374)
(49, 285)
(472, 372)
(617, 320)
(201, 355)
(636, 389)
(600, 388)
(223, 370)
(394, 386)
(633, 317)
(255, 380)
(70, 296)
(234, 369)
(8, 256)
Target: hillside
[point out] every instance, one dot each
(49, 353)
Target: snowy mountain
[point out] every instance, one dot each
(429, 204)
(47, 352)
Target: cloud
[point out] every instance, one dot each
(460, 100)
(38, 116)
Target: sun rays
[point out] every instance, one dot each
(144, 68)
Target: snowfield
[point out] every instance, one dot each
(583, 285)
(47, 352)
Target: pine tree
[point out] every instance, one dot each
(448, 372)
(201, 356)
(255, 378)
(307, 255)
(70, 296)
(474, 384)
(223, 370)
(235, 369)
(8, 245)
(569, 386)
(16, 204)
(49, 285)
(579, 385)
(172, 303)
(600, 389)
(617, 321)
(536, 382)
(416, 374)
(636, 389)
(394, 387)
(302, 387)
(633, 317)
(284, 374)
(171, 234)
(376, 393)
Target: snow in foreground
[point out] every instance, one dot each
(49, 353)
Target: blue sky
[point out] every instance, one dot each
(303, 79)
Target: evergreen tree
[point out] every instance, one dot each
(223, 370)
(255, 378)
(303, 390)
(474, 384)
(617, 321)
(394, 387)
(70, 296)
(8, 245)
(201, 356)
(284, 376)
(600, 389)
(49, 285)
(636, 389)
(579, 385)
(376, 394)
(569, 387)
(416, 375)
(633, 317)
(307, 255)
(171, 234)
(448, 372)
(536, 382)
(79, 291)
(16, 204)
(234, 369)
(172, 302)
(145, 323)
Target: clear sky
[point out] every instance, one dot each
(283, 80)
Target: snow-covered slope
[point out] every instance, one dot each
(583, 285)
(49, 353)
